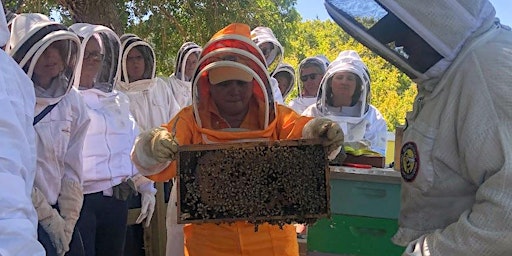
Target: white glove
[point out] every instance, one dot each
(51, 221)
(148, 207)
(155, 146)
(147, 190)
(70, 203)
(417, 247)
(327, 129)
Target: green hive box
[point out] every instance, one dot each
(364, 210)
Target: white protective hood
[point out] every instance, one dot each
(289, 71)
(128, 42)
(31, 35)
(262, 35)
(320, 61)
(445, 25)
(110, 46)
(351, 62)
(184, 52)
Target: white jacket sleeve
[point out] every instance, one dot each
(18, 219)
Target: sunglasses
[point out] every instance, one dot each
(311, 76)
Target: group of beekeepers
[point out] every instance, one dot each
(86, 125)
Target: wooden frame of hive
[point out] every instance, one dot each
(213, 176)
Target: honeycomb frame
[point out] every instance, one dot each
(264, 181)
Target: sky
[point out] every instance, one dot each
(312, 9)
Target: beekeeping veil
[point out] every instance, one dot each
(110, 50)
(31, 35)
(184, 52)
(289, 71)
(443, 26)
(319, 61)
(348, 61)
(129, 42)
(261, 35)
(232, 55)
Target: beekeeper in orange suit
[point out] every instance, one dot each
(232, 102)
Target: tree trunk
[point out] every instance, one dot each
(102, 12)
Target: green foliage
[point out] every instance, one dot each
(44, 7)
(392, 91)
(168, 24)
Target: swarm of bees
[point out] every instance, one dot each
(278, 182)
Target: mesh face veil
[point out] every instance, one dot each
(108, 53)
(409, 34)
(186, 50)
(288, 71)
(350, 63)
(47, 52)
(269, 45)
(319, 62)
(238, 58)
(146, 53)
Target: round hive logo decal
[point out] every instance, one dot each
(409, 161)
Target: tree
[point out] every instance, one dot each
(168, 24)
(392, 91)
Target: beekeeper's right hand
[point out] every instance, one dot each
(154, 147)
(51, 221)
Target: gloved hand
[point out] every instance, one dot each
(148, 207)
(70, 203)
(147, 190)
(51, 221)
(417, 247)
(154, 147)
(327, 129)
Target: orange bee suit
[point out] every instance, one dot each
(201, 123)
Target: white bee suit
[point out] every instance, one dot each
(181, 85)
(60, 134)
(289, 71)
(18, 218)
(456, 159)
(261, 35)
(361, 121)
(152, 102)
(302, 102)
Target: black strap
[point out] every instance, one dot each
(43, 113)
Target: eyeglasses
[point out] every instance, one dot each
(311, 76)
(94, 55)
